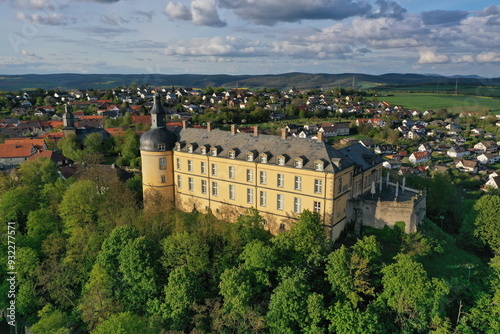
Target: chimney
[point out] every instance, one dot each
(256, 131)
(283, 133)
(320, 137)
(209, 126)
(233, 129)
(184, 125)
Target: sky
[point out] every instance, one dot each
(445, 37)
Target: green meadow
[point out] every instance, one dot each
(455, 104)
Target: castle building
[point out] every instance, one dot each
(227, 172)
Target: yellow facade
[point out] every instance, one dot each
(157, 178)
(206, 171)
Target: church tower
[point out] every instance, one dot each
(157, 160)
(68, 122)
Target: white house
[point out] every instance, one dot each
(419, 157)
(488, 158)
(456, 152)
(493, 182)
(466, 166)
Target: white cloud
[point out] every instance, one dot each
(429, 56)
(217, 46)
(463, 59)
(205, 14)
(488, 57)
(177, 11)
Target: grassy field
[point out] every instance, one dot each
(455, 104)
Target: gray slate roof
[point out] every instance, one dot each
(274, 146)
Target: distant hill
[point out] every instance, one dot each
(280, 81)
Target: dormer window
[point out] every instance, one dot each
(263, 158)
(250, 156)
(319, 165)
(213, 151)
(204, 150)
(161, 147)
(281, 160)
(232, 154)
(177, 147)
(190, 148)
(298, 163)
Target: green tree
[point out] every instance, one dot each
(98, 302)
(139, 267)
(187, 250)
(52, 320)
(349, 271)
(487, 222)
(125, 323)
(80, 204)
(417, 301)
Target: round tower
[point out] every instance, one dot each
(157, 160)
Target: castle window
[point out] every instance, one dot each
(232, 154)
(231, 192)
(178, 163)
(190, 165)
(249, 175)
(204, 150)
(339, 186)
(163, 179)
(266, 222)
(317, 206)
(250, 156)
(282, 226)
(163, 163)
(214, 151)
(161, 147)
(203, 186)
(263, 198)
(190, 148)
(214, 170)
(215, 190)
(179, 182)
(263, 177)
(297, 205)
(298, 183)
(250, 196)
(281, 161)
(281, 180)
(263, 158)
(203, 167)
(279, 202)
(318, 186)
(190, 184)
(177, 146)
(298, 163)
(319, 166)
(231, 172)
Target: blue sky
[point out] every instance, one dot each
(250, 36)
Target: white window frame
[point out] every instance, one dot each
(190, 165)
(249, 175)
(215, 189)
(214, 169)
(263, 198)
(297, 184)
(263, 177)
(280, 201)
(318, 186)
(178, 163)
(203, 186)
(281, 180)
(317, 206)
(297, 205)
(179, 181)
(203, 167)
(232, 192)
(162, 163)
(232, 172)
(249, 195)
(190, 184)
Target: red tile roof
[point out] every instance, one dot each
(15, 150)
(38, 143)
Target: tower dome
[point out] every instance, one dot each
(159, 138)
